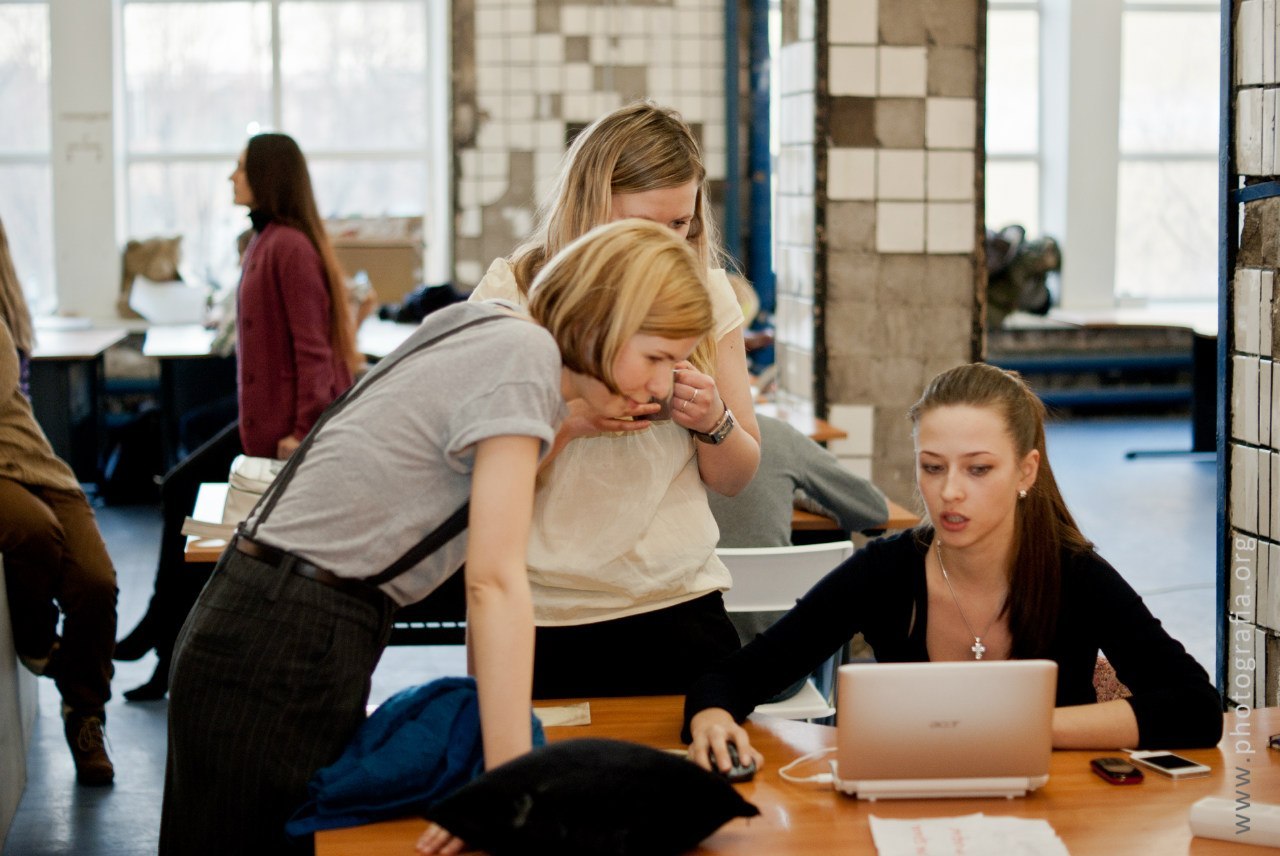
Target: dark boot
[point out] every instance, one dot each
(155, 688)
(87, 739)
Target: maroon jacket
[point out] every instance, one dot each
(288, 370)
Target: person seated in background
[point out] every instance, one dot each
(760, 515)
(55, 562)
(998, 570)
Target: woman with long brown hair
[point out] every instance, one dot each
(997, 571)
(295, 337)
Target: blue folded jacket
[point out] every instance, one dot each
(418, 747)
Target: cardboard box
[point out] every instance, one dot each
(394, 266)
(388, 249)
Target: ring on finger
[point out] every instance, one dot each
(694, 397)
(684, 404)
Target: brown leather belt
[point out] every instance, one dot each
(277, 558)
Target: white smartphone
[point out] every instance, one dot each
(1169, 764)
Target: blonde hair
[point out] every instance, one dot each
(13, 303)
(619, 280)
(636, 148)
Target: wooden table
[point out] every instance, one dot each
(66, 393)
(900, 517)
(819, 430)
(1091, 816)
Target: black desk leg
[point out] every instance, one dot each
(1204, 402)
(65, 399)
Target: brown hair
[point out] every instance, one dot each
(1044, 526)
(14, 311)
(281, 185)
(618, 280)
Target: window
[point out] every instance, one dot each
(348, 79)
(1166, 225)
(1160, 166)
(1013, 115)
(26, 203)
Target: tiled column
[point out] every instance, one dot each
(899, 215)
(528, 74)
(795, 236)
(1252, 552)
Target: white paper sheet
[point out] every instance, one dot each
(967, 835)
(168, 302)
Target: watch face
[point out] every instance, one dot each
(721, 430)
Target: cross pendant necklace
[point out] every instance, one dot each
(977, 647)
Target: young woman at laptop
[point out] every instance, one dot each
(998, 570)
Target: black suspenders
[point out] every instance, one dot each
(430, 542)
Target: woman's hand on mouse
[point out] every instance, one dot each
(713, 729)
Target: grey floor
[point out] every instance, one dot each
(1152, 517)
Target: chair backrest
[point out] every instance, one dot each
(773, 578)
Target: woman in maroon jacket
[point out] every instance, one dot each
(295, 336)
(295, 353)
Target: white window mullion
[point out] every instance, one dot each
(277, 76)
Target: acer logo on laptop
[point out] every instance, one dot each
(943, 723)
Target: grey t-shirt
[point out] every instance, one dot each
(760, 515)
(396, 461)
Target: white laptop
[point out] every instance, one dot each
(955, 729)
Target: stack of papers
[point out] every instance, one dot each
(970, 834)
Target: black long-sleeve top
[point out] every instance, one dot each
(881, 591)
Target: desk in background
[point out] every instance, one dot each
(192, 376)
(1201, 318)
(66, 394)
(1089, 815)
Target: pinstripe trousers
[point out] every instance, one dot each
(270, 680)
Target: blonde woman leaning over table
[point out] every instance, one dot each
(626, 584)
(998, 571)
(271, 673)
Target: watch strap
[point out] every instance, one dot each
(720, 431)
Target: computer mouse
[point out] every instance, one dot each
(738, 772)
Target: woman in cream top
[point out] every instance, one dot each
(627, 589)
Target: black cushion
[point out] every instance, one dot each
(591, 796)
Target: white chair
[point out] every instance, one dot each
(772, 579)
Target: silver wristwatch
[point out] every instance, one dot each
(721, 430)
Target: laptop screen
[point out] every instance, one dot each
(963, 721)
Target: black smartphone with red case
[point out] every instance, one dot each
(1117, 771)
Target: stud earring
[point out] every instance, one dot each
(1022, 494)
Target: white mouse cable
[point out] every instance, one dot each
(820, 778)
